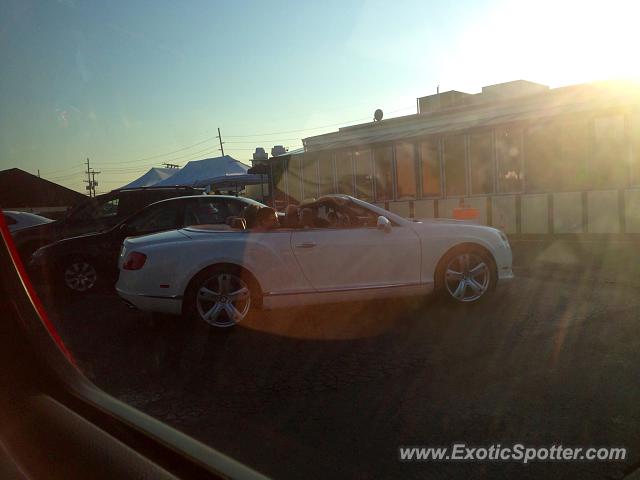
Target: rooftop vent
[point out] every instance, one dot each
(439, 101)
(260, 155)
(517, 88)
(278, 150)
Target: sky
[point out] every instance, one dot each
(134, 84)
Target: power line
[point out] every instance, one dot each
(128, 170)
(264, 141)
(296, 131)
(312, 128)
(162, 154)
(192, 154)
(59, 170)
(257, 141)
(62, 177)
(252, 149)
(144, 158)
(149, 165)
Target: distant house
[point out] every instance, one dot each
(20, 190)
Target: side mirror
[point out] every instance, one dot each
(384, 224)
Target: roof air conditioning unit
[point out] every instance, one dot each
(278, 150)
(260, 155)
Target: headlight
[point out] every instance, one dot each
(37, 258)
(503, 237)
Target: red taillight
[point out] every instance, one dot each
(134, 261)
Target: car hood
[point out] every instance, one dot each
(449, 226)
(84, 239)
(67, 245)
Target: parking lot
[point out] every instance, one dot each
(332, 391)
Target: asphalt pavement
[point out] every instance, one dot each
(332, 391)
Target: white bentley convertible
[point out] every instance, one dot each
(337, 248)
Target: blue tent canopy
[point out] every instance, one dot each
(152, 177)
(219, 171)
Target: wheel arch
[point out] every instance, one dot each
(61, 259)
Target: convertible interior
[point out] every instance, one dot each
(326, 212)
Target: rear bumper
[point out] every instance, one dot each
(170, 305)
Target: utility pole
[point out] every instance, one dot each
(38, 173)
(221, 142)
(171, 165)
(88, 180)
(94, 184)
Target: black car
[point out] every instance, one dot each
(81, 264)
(95, 215)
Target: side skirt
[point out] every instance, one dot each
(297, 299)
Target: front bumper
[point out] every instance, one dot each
(40, 272)
(505, 274)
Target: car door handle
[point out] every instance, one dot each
(306, 245)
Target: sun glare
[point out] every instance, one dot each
(556, 43)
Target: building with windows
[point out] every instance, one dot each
(530, 159)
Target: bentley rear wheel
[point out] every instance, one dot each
(221, 297)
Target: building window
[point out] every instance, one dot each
(609, 160)
(406, 171)
(364, 177)
(481, 162)
(430, 165)
(344, 169)
(574, 146)
(326, 180)
(294, 179)
(383, 161)
(310, 176)
(509, 159)
(556, 154)
(542, 148)
(635, 145)
(454, 166)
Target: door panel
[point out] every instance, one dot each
(338, 258)
(268, 254)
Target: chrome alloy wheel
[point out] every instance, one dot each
(223, 300)
(467, 277)
(80, 276)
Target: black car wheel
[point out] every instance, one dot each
(80, 275)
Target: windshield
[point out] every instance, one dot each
(439, 206)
